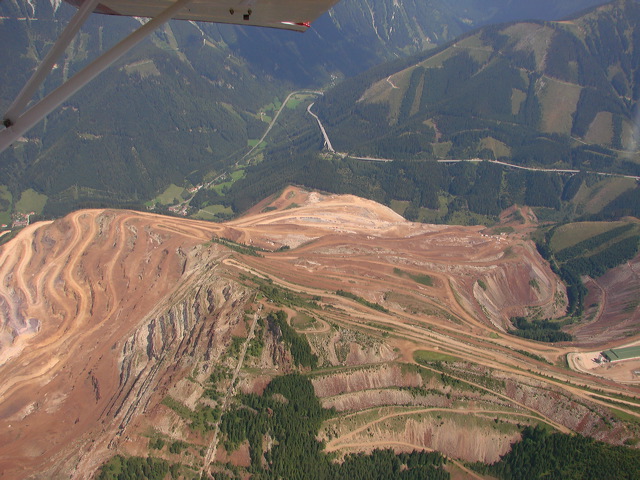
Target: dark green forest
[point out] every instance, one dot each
(296, 343)
(484, 189)
(541, 454)
(203, 103)
(539, 330)
(290, 413)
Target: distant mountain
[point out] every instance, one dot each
(186, 103)
(535, 93)
(542, 95)
(358, 34)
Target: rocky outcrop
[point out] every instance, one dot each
(365, 378)
(125, 305)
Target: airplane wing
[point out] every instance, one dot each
(286, 14)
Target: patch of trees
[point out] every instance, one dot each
(543, 190)
(539, 330)
(598, 264)
(592, 156)
(542, 150)
(448, 96)
(239, 247)
(574, 262)
(440, 83)
(402, 146)
(541, 454)
(290, 413)
(362, 301)
(495, 79)
(591, 103)
(205, 197)
(482, 188)
(285, 297)
(562, 56)
(419, 182)
(576, 291)
(180, 122)
(202, 419)
(609, 40)
(296, 343)
(133, 468)
(572, 186)
(484, 195)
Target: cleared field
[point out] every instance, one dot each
(573, 233)
(517, 98)
(426, 356)
(475, 48)
(559, 101)
(441, 149)
(399, 206)
(295, 100)
(212, 211)
(595, 197)
(533, 38)
(498, 148)
(31, 201)
(143, 68)
(172, 194)
(235, 176)
(601, 129)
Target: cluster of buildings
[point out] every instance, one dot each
(20, 220)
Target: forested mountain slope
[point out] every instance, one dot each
(186, 103)
(180, 104)
(536, 93)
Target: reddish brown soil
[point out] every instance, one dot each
(103, 314)
(613, 304)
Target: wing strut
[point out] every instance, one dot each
(17, 121)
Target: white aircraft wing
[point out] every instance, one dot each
(286, 14)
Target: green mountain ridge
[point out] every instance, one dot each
(160, 115)
(184, 105)
(535, 93)
(531, 93)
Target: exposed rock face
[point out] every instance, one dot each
(121, 304)
(452, 435)
(512, 289)
(103, 314)
(365, 379)
(613, 305)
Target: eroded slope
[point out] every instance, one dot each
(107, 314)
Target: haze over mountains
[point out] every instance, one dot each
(186, 103)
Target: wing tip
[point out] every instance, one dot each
(297, 26)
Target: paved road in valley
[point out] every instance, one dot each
(329, 146)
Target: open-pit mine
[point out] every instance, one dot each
(116, 324)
